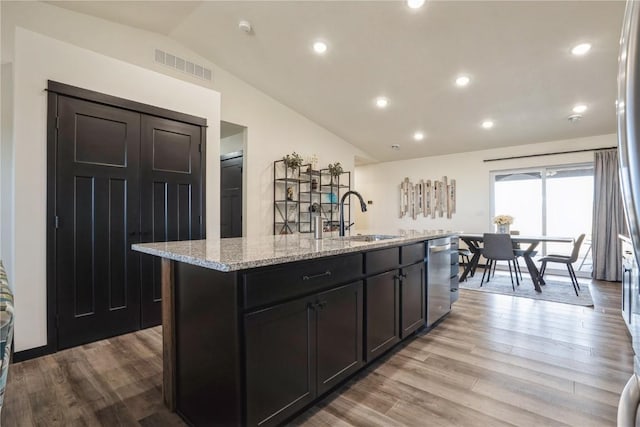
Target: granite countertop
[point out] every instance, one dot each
(249, 252)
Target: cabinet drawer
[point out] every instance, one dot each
(412, 254)
(287, 281)
(381, 260)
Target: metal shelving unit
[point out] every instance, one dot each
(310, 198)
(285, 209)
(314, 193)
(333, 188)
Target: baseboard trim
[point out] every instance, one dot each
(32, 353)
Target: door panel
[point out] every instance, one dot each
(280, 361)
(382, 313)
(171, 198)
(339, 334)
(413, 298)
(98, 208)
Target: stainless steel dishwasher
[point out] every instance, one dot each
(438, 280)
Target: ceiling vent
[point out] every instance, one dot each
(183, 65)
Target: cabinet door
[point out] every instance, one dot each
(413, 298)
(382, 302)
(339, 327)
(280, 361)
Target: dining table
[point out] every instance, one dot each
(474, 243)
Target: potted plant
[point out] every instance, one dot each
(335, 170)
(502, 223)
(292, 161)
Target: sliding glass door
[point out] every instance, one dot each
(548, 201)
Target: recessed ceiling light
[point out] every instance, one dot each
(245, 26)
(487, 124)
(415, 4)
(319, 47)
(579, 108)
(382, 102)
(395, 147)
(418, 136)
(462, 81)
(574, 118)
(581, 49)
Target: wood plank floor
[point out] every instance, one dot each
(495, 360)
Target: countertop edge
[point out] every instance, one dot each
(244, 265)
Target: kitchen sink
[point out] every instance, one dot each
(368, 237)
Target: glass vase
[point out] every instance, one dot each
(502, 228)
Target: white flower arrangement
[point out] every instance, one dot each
(503, 220)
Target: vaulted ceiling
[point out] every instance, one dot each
(516, 53)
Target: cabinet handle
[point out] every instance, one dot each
(315, 276)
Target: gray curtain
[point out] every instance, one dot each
(608, 217)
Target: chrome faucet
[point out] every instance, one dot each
(363, 206)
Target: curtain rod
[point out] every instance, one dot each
(550, 154)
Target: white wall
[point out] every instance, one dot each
(37, 59)
(232, 143)
(6, 167)
(381, 182)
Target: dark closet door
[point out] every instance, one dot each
(97, 210)
(231, 197)
(170, 190)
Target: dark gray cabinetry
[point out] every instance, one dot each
(339, 334)
(297, 350)
(413, 298)
(255, 347)
(383, 306)
(395, 298)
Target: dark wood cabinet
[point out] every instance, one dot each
(383, 305)
(413, 298)
(278, 338)
(280, 361)
(339, 334)
(299, 349)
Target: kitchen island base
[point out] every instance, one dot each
(260, 345)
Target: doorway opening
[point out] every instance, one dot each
(233, 139)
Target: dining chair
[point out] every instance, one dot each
(519, 252)
(568, 260)
(498, 247)
(465, 256)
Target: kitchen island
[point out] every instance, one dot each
(257, 329)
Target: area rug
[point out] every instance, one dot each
(556, 289)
